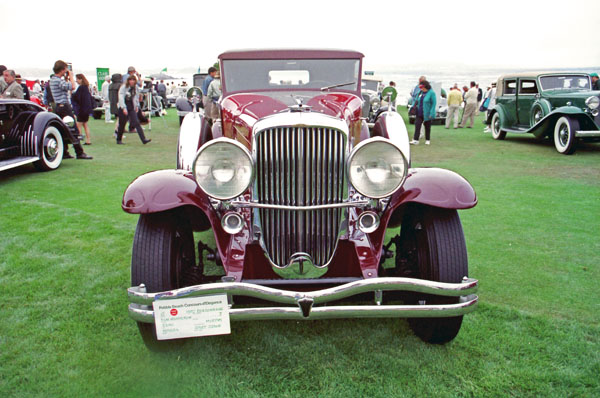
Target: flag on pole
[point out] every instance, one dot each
(164, 70)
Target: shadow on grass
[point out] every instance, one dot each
(580, 147)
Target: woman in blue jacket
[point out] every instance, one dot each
(426, 107)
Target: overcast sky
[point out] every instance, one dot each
(181, 35)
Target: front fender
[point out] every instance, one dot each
(163, 190)
(435, 187)
(189, 140)
(546, 125)
(390, 125)
(40, 122)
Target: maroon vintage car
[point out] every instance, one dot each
(298, 193)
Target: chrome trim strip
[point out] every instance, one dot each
(334, 312)
(589, 133)
(256, 205)
(137, 294)
(16, 162)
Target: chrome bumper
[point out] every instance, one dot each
(301, 303)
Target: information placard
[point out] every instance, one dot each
(191, 317)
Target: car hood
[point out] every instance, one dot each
(247, 109)
(570, 94)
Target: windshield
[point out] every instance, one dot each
(565, 82)
(289, 74)
(370, 85)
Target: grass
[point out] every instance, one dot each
(65, 248)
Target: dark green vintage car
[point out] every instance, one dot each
(561, 106)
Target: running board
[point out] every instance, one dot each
(16, 162)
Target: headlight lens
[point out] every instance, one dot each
(377, 168)
(223, 168)
(592, 102)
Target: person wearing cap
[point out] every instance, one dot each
(26, 94)
(129, 104)
(131, 71)
(595, 81)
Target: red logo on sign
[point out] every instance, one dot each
(173, 312)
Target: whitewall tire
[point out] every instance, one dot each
(497, 132)
(51, 150)
(564, 135)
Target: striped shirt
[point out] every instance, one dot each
(60, 89)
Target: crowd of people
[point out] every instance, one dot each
(71, 95)
(471, 100)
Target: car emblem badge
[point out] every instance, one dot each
(298, 263)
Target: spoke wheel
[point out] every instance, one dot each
(564, 135)
(536, 115)
(435, 248)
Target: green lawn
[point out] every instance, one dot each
(533, 241)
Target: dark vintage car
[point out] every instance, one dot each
(371, 95)
(30, 134)
(561, 106)
(299, 194)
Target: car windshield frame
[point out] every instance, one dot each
(580, 75)
(377, 83)
(252, 75)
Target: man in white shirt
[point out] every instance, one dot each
(106, 100)
(470, 107)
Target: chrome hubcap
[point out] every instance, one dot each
(51, 147)
(496, 126)
(537, 117)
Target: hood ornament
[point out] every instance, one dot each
(299, 107)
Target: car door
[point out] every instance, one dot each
(509, 101)
(526, 96)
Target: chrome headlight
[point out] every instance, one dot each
(69, 121)
(223, 168)
(592, 102)
(375, 104)
(377, 168)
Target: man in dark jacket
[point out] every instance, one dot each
(113, 93)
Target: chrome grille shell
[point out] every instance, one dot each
(300, 165)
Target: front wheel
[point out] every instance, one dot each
(497, 132)
(564, 135)
(434, 245)
(163, 256)
(51, 153)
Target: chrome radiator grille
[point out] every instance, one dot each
(300, 166)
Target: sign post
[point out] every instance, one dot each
(101, 74)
